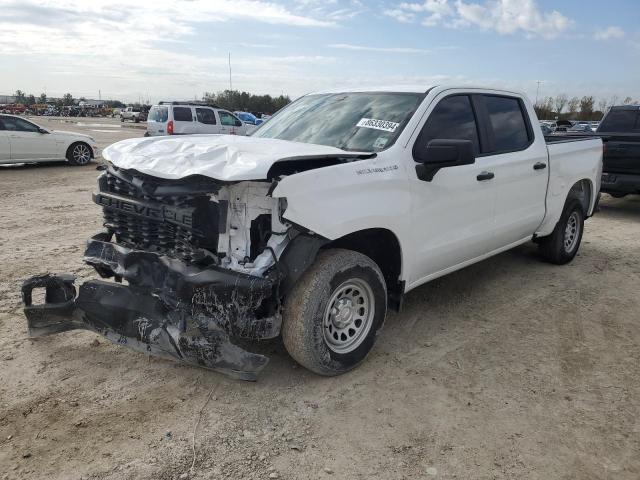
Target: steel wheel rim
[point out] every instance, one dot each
(348, 316)
(571, 232)
(81, 154)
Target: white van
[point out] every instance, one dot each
(187, 118)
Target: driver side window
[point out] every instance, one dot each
(18, 125)
(227, 119)
(452, 119)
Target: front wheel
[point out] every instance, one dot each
(333, 314)
(79, 154)
(562, 245)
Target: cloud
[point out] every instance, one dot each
(609, 33)
(124, 47)
(502, 16)
(362, 48)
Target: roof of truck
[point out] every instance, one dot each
(415, 89)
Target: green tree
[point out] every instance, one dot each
(67, 99)
(42, 98)
(30, 100)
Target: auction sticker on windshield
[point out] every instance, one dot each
(378, 124)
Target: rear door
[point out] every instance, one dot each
(183, 121)
(206, 121)
(520, 164)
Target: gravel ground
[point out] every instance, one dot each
(509, 369)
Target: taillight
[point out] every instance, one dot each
(170, 127)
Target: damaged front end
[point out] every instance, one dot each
(200, 262)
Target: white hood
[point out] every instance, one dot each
(222, 157)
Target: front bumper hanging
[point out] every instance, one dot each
(169, 309)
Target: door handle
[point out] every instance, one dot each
(485, 176)
(540, 166)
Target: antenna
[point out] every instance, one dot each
(230, 82)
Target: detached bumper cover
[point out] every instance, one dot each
(169, 309)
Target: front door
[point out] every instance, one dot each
(452, 214)
(28, 143)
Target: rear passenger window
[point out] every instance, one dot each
(452, 119)
(509, 126)
(182, 114)
(621, 121)
(206, 116)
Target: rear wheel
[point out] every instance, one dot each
(79, 154)
(333, 314)
(562, 245)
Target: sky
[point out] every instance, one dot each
(178, 49)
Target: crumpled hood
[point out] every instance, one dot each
(222, 157)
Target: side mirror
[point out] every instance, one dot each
(442, 153)
(238, 123)
(42, 130)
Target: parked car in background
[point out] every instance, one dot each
(248, 118)
(580, 127)
(188, 118)
(22, 141)
(221, 239)
(563, 125)
(135, 114)
(546, 129)
(620, 130)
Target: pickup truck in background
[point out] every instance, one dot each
(620, 131)
(316, 224)
(135, 114)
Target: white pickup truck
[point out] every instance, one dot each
(316, 224)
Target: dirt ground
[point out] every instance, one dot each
(509, 369)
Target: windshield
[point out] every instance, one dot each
(365, 122)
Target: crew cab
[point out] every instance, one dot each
(316, 224)
(620, 130)
(135, 113)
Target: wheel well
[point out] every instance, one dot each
(582, 190)
(76, 143)
(381, 246)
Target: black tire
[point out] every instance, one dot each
(136, 119)
(618, 195)
(307, 312)
(74, 156)
(561, 247)
(121, 118)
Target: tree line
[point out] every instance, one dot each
(235, 100)
(562, 107)
(228, 99)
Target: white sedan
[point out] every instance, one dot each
(22, 141)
